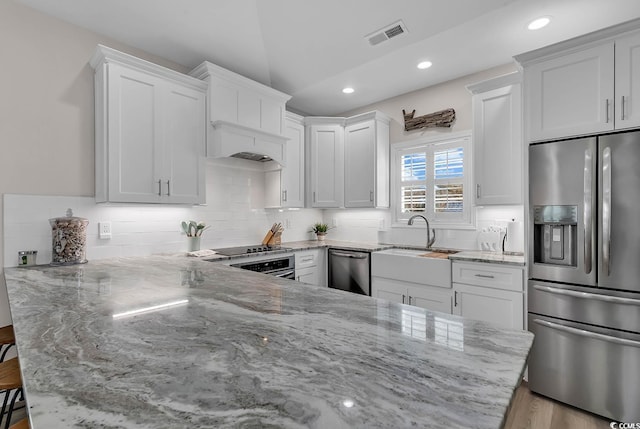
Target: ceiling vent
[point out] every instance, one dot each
(393, 30)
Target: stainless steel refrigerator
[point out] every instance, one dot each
(584, 269)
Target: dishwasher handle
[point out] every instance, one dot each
(349, 255)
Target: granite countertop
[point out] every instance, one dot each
(490, 257)
(234, 348)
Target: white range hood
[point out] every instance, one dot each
(247, 118)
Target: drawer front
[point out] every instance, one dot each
(306, 259)
(489, 275)
(592, 368)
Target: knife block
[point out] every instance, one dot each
(272, 238)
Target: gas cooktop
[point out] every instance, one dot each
(244, 250)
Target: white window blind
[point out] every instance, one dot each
(430, 178)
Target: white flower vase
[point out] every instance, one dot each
(193, 244)
(321, 236)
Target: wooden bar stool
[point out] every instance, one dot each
(10, 380)
(7, 340)
(22, 424)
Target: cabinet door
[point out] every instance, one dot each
(134, 122)
(327, 165)
(571, 95)
(184, 142)
(388, 289)
(308, 275)
(293, 173)
(628, 81)
(430, 298)
(497, 132)
(359, 164)
(503, 309)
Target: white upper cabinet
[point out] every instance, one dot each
(285, 186)
(244, 115)
(366, 161)
(627, 104)
(348, 161)
(150, 132)
(325, 162)
(582, 86)
(497, 136)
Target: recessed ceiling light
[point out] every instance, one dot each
(538, 23)
(424, 65)
(348, 90)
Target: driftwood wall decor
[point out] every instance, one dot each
(442, 118)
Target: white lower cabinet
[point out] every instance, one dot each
(428, 297)
(311, 267)
(489, 292)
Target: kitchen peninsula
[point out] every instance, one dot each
(176, 342)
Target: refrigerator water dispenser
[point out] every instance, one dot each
(555, 229)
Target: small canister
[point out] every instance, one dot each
(27, 257)
(68, 239)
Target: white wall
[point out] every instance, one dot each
(235, 197)
(373, 226)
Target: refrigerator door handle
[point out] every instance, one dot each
(588, 334)
(606, 211)
(586, 295)
(588, 210)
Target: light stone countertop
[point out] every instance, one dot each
(488, 257)
(242, 349)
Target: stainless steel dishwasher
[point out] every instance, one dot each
(350, 270)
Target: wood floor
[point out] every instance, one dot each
(532, 411)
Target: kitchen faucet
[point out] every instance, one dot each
(430, 239)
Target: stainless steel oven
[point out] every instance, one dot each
(283, 267)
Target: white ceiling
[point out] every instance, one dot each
(311, 49)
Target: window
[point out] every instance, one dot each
(430, 178)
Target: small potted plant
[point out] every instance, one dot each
(194, 231)
(321, 230)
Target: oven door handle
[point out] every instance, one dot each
(588, 334)
(349, 255)
(285, 274)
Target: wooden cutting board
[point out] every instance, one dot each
(438, 255)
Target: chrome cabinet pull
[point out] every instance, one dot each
(587, 295)
(284, 195)
(314, 196)
(606, 108)
(622, 108)
(478, 190)
(588, 334)
(606, 211)
(371, 196)
(168, 188)
(588, 207)
(409, 299)
(403, 299)
(485, 276)
(159, 188)
(455, 298)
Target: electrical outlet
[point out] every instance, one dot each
(104, 230)
(334, 222)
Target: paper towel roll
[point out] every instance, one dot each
(515, 237)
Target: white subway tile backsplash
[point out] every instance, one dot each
(236, 218)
